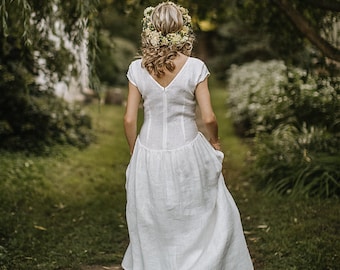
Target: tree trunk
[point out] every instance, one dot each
(203, 48)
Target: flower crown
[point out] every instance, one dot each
(156, 38)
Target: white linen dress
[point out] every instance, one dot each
(179, 212)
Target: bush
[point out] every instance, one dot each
(36, 121)
(254, 93)
(295, 118)
(262, 95)
(299, 162)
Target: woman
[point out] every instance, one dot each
(179, 212)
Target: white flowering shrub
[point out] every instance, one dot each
(252, 85)
(295, 118)
(262, 95)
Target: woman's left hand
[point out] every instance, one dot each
(216, 145)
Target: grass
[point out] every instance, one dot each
(65, 210)
(68, 209)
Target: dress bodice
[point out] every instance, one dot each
(169, 112)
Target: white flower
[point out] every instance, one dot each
(175, 38)
(185, 29)
(163, 40)
(154, 38)
(148, 11)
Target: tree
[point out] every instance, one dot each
(36, 37)
(292, 22)
(118, 35)
(302, 24)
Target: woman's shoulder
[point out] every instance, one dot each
(198, 69)
(136, 63)
(196, 60)
(197, 64)
(135, 68)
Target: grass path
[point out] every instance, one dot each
(66, 211)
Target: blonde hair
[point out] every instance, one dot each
(166, 31)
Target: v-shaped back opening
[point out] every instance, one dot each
(174, 77)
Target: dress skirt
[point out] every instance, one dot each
(179, 212)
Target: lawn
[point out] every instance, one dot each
(66, 209)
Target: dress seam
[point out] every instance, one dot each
(182, 122)
(165, 124)
(149, 127)
(199, 134)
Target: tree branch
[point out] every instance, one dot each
(309, 32)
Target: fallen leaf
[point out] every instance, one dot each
(41, 228)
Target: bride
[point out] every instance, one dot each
(179, 212)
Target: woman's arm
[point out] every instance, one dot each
(208, 115)
(131, 114)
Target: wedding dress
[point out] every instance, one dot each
(179, 212)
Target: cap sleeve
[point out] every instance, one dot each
(204, 73)
(131, 73)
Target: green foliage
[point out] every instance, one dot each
(35, 122)
(263, 95)
(298, 162)
(114, 57)
(42, 39)
(214, 10)
(255, 93)
(294, 117)
(44, 30)
(284, 38)
(266, 16)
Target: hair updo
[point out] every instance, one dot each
(166, 31)
(167, 19)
